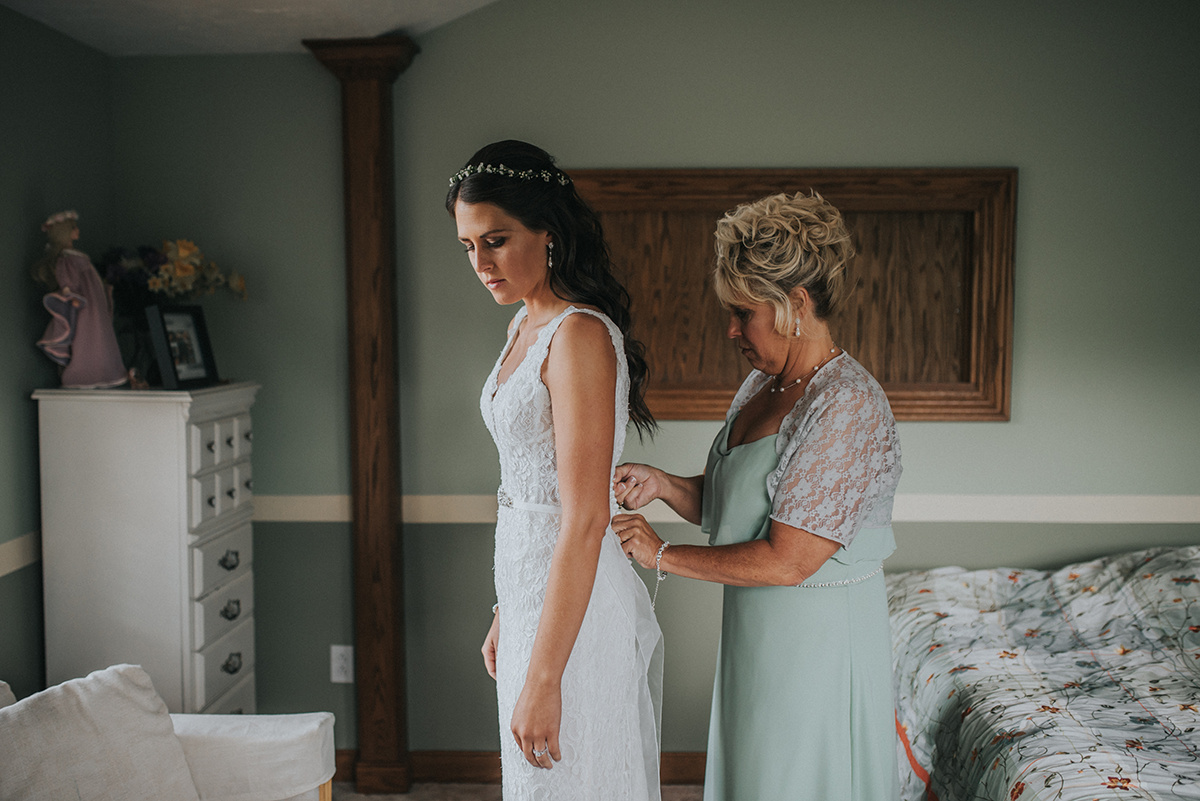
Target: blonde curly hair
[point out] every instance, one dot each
(768, 248)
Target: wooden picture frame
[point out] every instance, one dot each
(931, 316)
(182, 347)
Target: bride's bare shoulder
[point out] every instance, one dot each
(582, 340)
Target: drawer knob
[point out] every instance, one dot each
(232, 609)
(212, 447)
(229, 440)
(248, 483)
(231, 492)
(212, 501)
(249, 435)
(233, 664)
(230, 560)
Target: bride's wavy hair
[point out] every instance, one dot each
(542, 197)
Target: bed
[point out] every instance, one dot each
(1081, 683)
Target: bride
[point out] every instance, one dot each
(574, 646)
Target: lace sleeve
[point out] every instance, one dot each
(840, 464)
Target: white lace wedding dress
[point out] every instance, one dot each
(612, 686)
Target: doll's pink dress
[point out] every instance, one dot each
(80, 335)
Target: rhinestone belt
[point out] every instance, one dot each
(843, 582)
(506, 500)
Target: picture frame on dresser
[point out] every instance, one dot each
(182, 347)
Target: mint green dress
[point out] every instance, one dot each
(803, 700)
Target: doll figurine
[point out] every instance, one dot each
(80, 337)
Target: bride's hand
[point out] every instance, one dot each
(490, 643)
(535, 723)
(635, 485)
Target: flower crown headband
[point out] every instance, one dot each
(62, 216)
(508, 172)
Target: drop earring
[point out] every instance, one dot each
(550, 256)
(797, 326)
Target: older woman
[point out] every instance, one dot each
(796, 500)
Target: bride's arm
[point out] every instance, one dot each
(581, 374)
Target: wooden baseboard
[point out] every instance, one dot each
(483, 767)
(682, 767)
(343, 764)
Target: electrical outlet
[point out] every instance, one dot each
(341, 664)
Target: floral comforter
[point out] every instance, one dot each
(1083, 683)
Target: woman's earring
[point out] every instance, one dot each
(797, 326)
(550, 256)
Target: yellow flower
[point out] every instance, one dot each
(154, 284)
(181, 250)
(183, 268)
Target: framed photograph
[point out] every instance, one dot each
(182, 347)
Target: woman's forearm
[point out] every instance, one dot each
(745, 564)
(783, 559)
(684, 494)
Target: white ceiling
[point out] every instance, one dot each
(194, 27)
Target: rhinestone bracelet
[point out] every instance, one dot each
(659, 575)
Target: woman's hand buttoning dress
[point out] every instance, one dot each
(574, 646)
(796, 499)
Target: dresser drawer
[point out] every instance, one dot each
(227, 490)
(221, 559)
(218, 442)
(222, 610)
(220, 665)
(204, 498)
(202, 446)
(242, 437)
(239, 700)
(244, 481)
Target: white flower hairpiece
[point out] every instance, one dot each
(523, 175)
(62, 216)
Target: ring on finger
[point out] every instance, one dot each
(541, 753)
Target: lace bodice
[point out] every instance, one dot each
(839, 454)
(517, 414)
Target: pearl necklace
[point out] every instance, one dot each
(778, 388)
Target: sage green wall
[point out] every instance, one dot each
(242, 155)
(1091, 104)
(54, 154)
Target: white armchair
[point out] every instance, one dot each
(108, 736)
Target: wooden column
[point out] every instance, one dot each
(367, 68)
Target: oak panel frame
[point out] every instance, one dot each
(665, 199)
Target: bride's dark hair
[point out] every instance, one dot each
(531, 189)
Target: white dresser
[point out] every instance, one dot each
(146, 539)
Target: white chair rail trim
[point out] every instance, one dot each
(25, 550)
(909, 509)
(20, 552)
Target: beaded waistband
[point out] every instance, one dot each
(505, 500)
